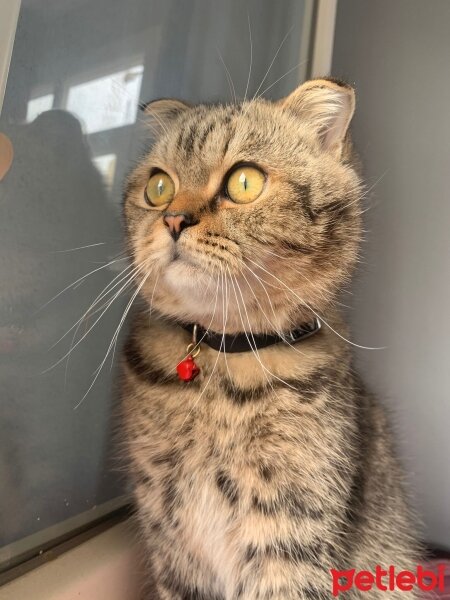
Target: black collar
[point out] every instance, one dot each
(246, 342)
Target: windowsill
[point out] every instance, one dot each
(105, 567)
(24, 551)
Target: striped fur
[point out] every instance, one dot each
(268, 470)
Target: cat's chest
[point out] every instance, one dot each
(207, 522)
(214, 461)
(198, 492)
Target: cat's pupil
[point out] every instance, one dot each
(243, 180)
(160, 187)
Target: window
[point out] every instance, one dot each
(36, 106)
(106, 164)
(107, 102)
(60, 231)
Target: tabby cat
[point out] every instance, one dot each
(263, 463)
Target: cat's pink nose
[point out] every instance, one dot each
(176, 222)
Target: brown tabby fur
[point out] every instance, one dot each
(271, 468)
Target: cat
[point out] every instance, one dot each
(259, 470)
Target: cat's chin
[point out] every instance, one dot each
(183, 275)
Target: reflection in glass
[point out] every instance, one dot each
(106, 164)
(78, 73)
(107, 102)
(38, 105)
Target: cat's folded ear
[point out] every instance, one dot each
(161, 112)
(328, 106)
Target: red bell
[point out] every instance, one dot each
(187, 369)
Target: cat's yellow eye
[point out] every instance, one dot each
(160, 189)
(245, 184)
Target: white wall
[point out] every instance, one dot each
(397, 54)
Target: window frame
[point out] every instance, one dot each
(9, 16)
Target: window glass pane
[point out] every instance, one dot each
(106, 164)
(79, 70)
(38, 105)
(107, 102)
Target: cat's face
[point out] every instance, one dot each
(246, 216)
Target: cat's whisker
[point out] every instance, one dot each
(153, 292)
(119, 87)
(228, 76)
(263, 283)
(151, 307)
(316, 314)
(210, 322)
(206, 290)
(366, 192)
(300, 64)
(154, 116)
(106, 305)
(208, 381)
(226, 305)
(251, 56)
(284, 288)
(115, 336)
(159, 124)
(79, 248)
(254, 347)
(313, 285)
(106, 290)
(90, 328)
(154, 127)
(88, 314)
(273, 60)
(273, 328)
(266, 372)
(78, 280)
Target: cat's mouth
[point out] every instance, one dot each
(183, 269)
(180, 256)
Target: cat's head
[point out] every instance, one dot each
(246, 216)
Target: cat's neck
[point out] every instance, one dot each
(164, 342)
